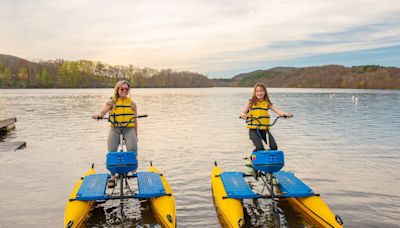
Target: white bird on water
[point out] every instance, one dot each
(354, 99)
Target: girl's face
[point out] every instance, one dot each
(123, 91)
(260, 93)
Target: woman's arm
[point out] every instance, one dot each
(135, 121)
(106, 108)
(279, 112)
(245, 110)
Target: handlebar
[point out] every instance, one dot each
(108, 117)
(120, 124)
(268, 125)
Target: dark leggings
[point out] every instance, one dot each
(257, 141)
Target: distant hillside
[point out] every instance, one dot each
(16, 72)
(330, 76)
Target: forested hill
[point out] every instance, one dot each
(330, 76)
(20, 73)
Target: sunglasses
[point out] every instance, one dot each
(124, 89)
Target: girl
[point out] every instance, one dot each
(255, 112)
(122, 112)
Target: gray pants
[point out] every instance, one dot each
(257, 140)
(129, 136)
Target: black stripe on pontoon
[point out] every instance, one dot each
(315, 213)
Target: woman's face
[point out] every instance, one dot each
(260, 93)
(123, 91)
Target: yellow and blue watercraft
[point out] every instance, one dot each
(229, 188)
(92, 187)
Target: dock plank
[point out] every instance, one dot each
(11, 146)
(5, 123)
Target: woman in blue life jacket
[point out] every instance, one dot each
(122, 110)
(255, 112)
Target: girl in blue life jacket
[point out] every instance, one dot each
(255, 112)
(122, 109)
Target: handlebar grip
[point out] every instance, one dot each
(286, 116)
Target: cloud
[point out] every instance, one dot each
(204, 36)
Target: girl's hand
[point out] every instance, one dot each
(287, 114)
(243, 116)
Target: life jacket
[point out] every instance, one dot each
(258, 116)
(122, 113)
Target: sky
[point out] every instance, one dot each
(217, 38)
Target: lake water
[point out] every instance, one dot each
(347, 151)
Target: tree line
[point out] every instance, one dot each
(20, 73)
(329, 76)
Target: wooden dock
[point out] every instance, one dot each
(11, 146)
(7, 124)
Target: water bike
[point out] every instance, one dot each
(92, 187)
(229, 188)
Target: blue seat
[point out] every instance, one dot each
(93, 187)
(150, 185)
(122, 162)
(291, 186)
(236, 187)
(268, 161)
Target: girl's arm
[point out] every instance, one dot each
(279, 112)
(106, 108)
(245, 110)
(135, 121)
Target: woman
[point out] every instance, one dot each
(255, 112)
(122, 112)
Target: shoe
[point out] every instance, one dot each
(111, 183)
(256, 174)
(249, 166)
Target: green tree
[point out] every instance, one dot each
(44, 78)
(36, 80)
(22, 77)
(7, 79)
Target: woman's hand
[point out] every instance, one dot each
(243, 116)
(97, 116)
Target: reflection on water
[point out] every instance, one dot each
(347, 151)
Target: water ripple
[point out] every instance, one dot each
(346, 151)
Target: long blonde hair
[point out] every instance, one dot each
(116, 88)
(254, 100)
